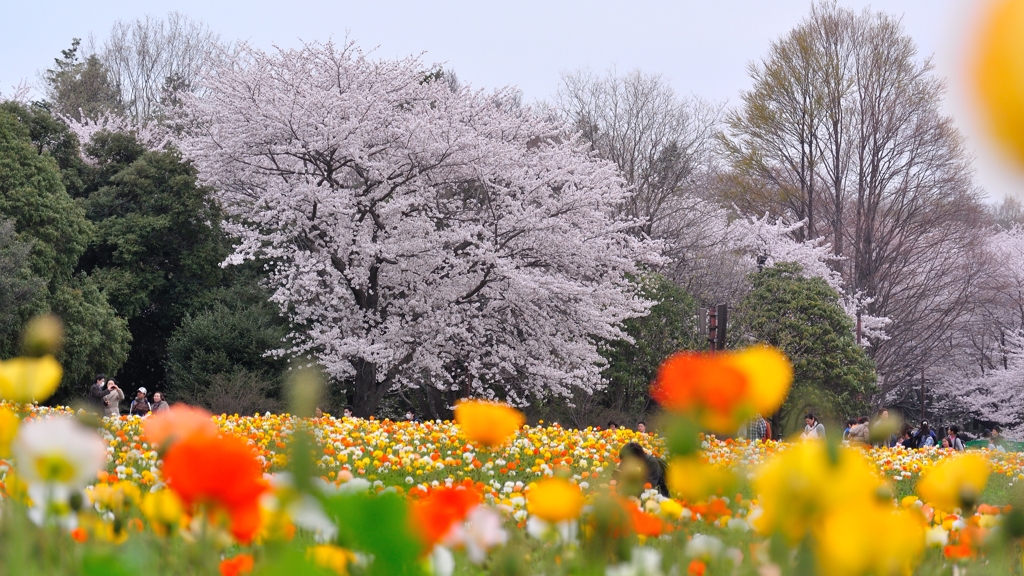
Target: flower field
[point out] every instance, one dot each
(419, 462)
(185, 492)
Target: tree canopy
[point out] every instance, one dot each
(801, 316)
(44, 216)
(417, 235)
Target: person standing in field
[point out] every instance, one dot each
(159, 404)
(112, 401)
(140, 405)
(954, 438)
(98, 393)
(814, 430)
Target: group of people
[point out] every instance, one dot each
(106, 397)
(862, 430)
(881, 432)
(641, 426)
(924, 436)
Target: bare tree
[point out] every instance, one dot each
(843, 130)
(662, 143)
(150, 60)
(1008, 213)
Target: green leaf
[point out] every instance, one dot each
(378, 525)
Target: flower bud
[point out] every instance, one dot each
(43, 335)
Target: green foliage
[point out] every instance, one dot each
(158, 244)
(45, 217)
(668, 328)
(33, 196)
(18, 286)
(157, 233)
(81, 89)
(801, 316)
(96, 339)
(226, 341)
(52, 137)
(359, 518)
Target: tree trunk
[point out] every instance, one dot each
(367, 392)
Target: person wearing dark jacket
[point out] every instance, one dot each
(653, 468)
(98, 392)
(925, 437)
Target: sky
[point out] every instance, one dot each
(702, 47)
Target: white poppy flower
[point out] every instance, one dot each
(59, 453)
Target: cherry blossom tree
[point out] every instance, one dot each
(983, 374)
(417, 233)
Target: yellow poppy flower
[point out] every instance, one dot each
(333, 558)
(9, 422)
(999, 74)
(954, 483)
(799, 487)
(693, 480)
(555, 500)
(488, 423)
(164, 510)
(769, 375)
(872, 539)
(29, 379)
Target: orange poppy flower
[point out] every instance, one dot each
(645, 524)
(958, 551)
(241, 564)
(488, 423)
(723, 389)
(179, 421)
(434, 515)
(221, 471)
(689, 380)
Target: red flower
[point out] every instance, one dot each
(219, 471)
(958, 551)
(434, 515)
(645, 524)
(690, 380)
(241, 564)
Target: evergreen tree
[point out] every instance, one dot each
(802, 317)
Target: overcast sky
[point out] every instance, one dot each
(701, 46)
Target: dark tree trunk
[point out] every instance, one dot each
(367, 392)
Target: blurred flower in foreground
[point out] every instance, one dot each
(43, 335)
(488, 423)
(999, 74)
(241, 564)
(723, 389)
(56, 455)
(800, 486)
(482, 532)
(179, 421)
(873, 539)
(29, 379)
(218, 471)
(691, 479)
(436, 514)
(9, 423)
(164, 511)
(334, 558)
(555, 500)
(955, 483)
